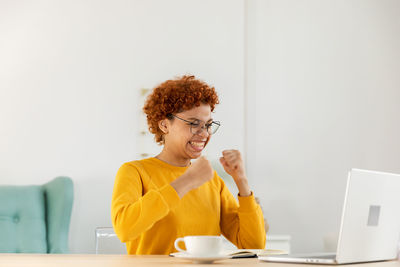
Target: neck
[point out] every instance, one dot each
(170, 158)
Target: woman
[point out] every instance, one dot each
(159, 199)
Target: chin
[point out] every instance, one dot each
(194, 155)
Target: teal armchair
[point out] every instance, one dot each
(35, 218)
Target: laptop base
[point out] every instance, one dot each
(328, 258)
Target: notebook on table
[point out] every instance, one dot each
(246, 253)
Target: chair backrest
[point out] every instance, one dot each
(22, 219)
(35, 219)
(107, 241)
(59, 194)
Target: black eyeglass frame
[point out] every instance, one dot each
(207, 125)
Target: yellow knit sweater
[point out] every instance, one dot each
(148, 214)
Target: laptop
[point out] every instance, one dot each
(370, 224)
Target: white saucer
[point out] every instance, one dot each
(200, 259)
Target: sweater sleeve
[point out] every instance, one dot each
(133, 213)
(243, 223)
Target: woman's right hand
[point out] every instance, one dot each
(200, 172)
(197, 174)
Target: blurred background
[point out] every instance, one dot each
(308, 90)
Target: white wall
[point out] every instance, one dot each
(70, 78)
(322, 95)
(325, 98)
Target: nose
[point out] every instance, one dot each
(202, 131)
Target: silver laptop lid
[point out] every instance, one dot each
(370, 225)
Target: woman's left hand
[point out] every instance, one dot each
(233, 164)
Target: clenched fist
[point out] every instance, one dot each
(197, 174)
(233, 164)
(200, 172)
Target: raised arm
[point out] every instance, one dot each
(243, 223)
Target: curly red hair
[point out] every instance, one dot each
(174, 96)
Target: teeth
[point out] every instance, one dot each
(198, 144)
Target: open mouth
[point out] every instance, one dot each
(197, 145)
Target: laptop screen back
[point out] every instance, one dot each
(370, 225)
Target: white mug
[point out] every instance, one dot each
(200, 245)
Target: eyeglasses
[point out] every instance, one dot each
(197, 127)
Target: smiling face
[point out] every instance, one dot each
(180, 144)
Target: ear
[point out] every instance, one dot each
(164, 126)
